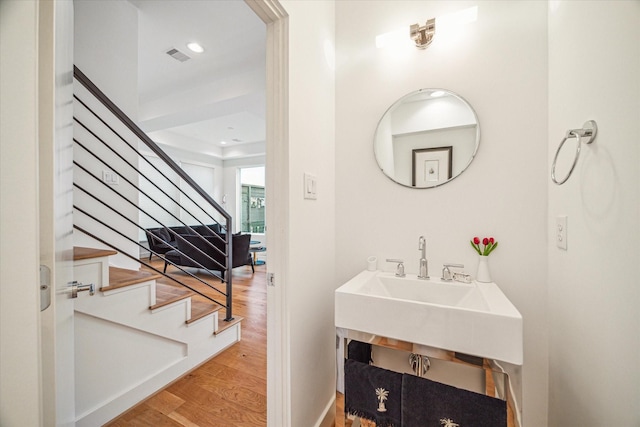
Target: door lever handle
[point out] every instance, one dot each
(75, 287)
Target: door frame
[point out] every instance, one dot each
(55, 224)
(277, 176)
(277, 231)
(56, 214)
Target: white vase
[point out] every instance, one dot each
(483, 274)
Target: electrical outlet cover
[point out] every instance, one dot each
(561, 232)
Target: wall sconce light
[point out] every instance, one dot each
(422, 36)
(449, 26)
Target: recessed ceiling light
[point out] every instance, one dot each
(195, 47)
(223, 142)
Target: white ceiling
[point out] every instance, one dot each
(215, 96)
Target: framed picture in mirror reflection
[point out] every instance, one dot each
(431, 166)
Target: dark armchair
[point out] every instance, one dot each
(160, 241)
(212, 259)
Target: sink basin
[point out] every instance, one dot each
(473, 318)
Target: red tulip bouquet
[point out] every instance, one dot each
(486, 247)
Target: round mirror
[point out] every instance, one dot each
(427, 138)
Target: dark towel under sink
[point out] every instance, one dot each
(373, 393)
(360, 351)
(427, 403)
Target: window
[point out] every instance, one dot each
(252, 200)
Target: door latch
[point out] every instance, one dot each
(75, 287)
(45, 287)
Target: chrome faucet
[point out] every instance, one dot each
(423, 272)
(447, 275)
(399, 267)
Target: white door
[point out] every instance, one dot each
(20, 382)
(32, 213)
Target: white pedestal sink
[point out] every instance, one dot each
(475, 318)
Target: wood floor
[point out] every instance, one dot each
(229, 390)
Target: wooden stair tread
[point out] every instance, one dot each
(121, 277)
(89, 253)
(201, 308)
(167, 294)
(224, 325)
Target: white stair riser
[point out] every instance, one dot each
(131, 308)
(179, 303)
(205, 319)
(125, 352)
(94, 270)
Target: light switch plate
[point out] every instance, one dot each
(110, 178)
(310, 187)
(561, 232)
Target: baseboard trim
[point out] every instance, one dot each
(328, 417)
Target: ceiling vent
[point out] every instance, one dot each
(177, 55)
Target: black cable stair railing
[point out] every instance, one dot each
(88, 184)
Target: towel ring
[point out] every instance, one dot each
(588, 131)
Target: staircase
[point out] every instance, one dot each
(136, 334)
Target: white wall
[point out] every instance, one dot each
(186, 160)
(594, 295)
(106, 51)
(310, 267)
(498, 64)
